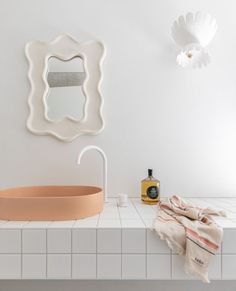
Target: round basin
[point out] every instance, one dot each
(50, 202)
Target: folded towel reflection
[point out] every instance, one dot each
(190, 231)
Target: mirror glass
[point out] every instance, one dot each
(65, 97)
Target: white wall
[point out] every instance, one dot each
(180, 122)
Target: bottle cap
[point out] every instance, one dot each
(150, 172)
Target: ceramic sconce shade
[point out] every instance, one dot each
(193, 33)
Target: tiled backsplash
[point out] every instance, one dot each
(117, 244)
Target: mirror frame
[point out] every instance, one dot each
(65, 48)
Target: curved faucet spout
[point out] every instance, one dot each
(104, 158)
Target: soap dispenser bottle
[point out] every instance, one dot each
(150, 189)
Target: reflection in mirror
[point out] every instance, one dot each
(65, 97)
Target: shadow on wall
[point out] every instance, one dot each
(62, 285)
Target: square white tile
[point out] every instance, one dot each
(215, 268)
(85, 223)
(131, 223)
(109, 266)
(229, 242)
(133, 241)
(113, 223)
(84, 241)
(34, 241)
(58, 266)
(109, 209)
(10, 266)
(62, 224)
(37, 224)
(228, 267)
(148, 223)
(10, 241)
(129, 214)
(34, 266)
(155, 245)
(10, 224)
(133, 266)
(147, 214)
(58, 241)
(2, 222)
(109, 215)
(225, 222)
(178, 272)
(159, 266)
(84, 266)
(108, 241)
(94, 217)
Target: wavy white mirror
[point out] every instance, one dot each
(65, 76)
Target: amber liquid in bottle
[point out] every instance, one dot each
(150, 189)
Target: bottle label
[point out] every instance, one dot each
(152, 192)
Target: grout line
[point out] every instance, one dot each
(109, 253)
(46, 253)
(98, 220)
(221, 261)
(121, 256)
(71, 257)
(189, 197)
(146, 253)
(96, 253)
(121, 239)
(21, 257)
(138, 213)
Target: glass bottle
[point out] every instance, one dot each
(150, 189)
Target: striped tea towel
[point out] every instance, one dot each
(190, 231)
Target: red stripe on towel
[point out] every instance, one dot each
(202, 239)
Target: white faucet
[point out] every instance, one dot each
(104, 157)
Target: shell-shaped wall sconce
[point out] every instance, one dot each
(193, 33)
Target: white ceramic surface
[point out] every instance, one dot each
(99, 247)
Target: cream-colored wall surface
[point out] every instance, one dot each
(180, 122)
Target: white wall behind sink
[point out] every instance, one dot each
(180, 122)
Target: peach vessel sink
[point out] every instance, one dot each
(50, 202)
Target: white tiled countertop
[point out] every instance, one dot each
(116, 244)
